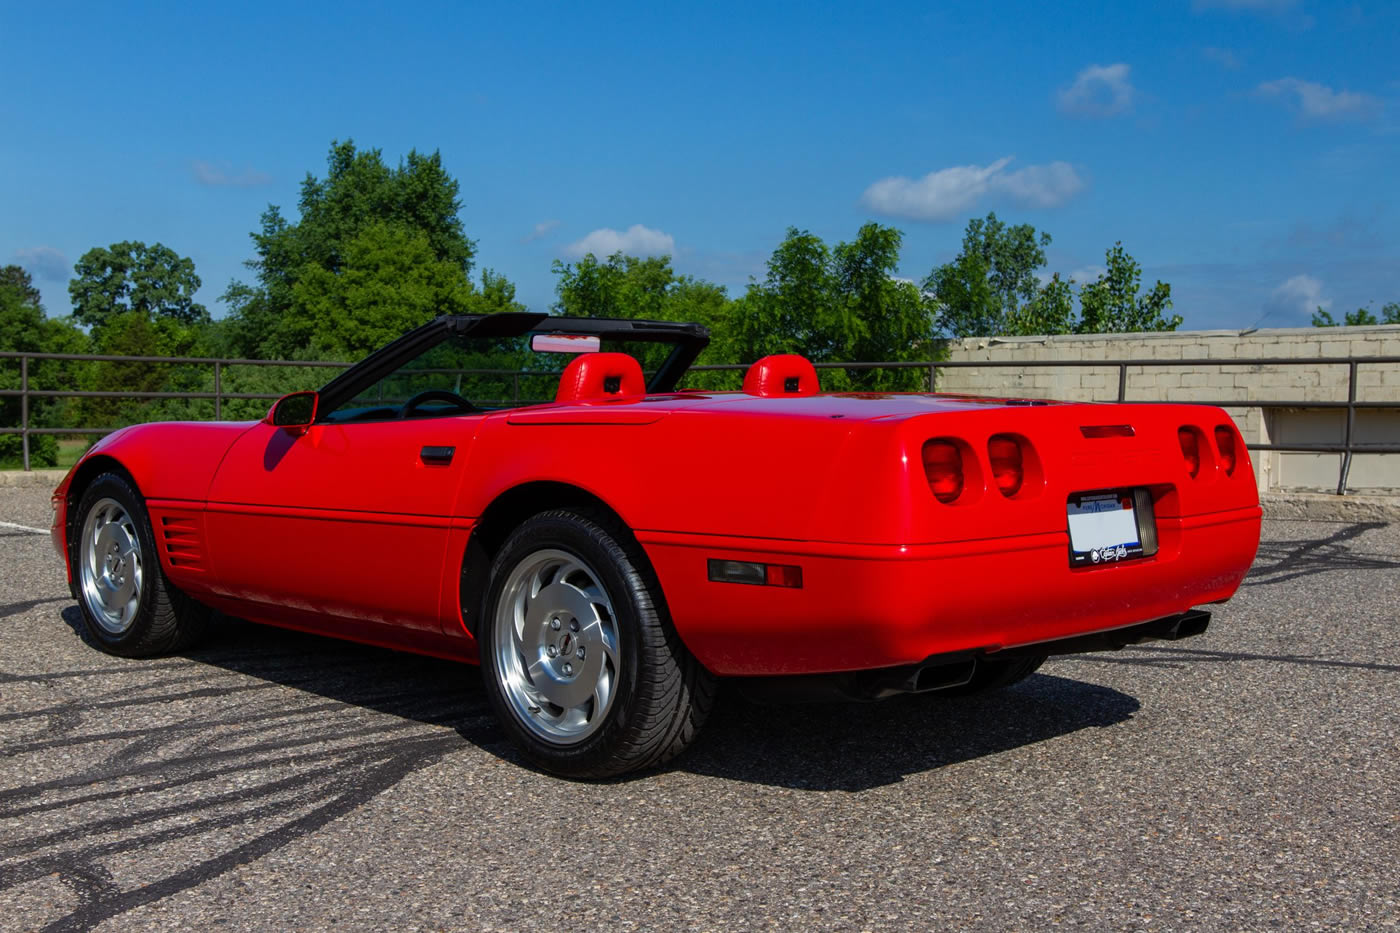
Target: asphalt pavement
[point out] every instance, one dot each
(1249, 778)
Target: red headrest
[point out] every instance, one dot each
(600, 376)
(784, 374)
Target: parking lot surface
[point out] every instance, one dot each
(1249, 778)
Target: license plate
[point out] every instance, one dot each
(1108, 527)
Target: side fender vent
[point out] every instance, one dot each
(181, 538)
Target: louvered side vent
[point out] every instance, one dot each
(183, 542)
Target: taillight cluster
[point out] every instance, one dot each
(1194, 449)
(954, 472)
(1008, 464)
(943, 466)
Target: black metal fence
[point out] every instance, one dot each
(1347, 449)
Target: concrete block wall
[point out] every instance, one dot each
(1239, 386)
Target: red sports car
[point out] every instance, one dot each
(608, 555)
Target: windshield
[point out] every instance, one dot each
(462, 374)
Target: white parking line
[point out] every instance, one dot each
(33, 531)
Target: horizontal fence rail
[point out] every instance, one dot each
(1346, 449)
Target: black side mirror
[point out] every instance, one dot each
(294, 412)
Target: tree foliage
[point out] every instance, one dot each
(994, 287)
(836, 305)
(1390, 314)
(131, 277)
(370, 242)
(24, 328)
(640, 288)
(1111, 304)
(983, 291)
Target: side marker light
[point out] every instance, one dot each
(755, 574)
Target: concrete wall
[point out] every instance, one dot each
(1238, 386)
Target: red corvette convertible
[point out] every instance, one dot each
(607, 555)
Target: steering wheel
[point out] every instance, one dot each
(435, 395)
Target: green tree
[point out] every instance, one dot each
(983, 291)
(836, 305)
(497, 294)
(1111, 303)
(643, 288)
(17, 280)
(640, 288)
(1051, 311)
(387, 282)
(1390, 314)
(24, 328)
(350, 223)
(131, 277)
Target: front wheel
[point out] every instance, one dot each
(128, 606)
(580, 660)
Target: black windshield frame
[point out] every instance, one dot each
(689, 341)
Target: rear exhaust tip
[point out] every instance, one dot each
(1189, 625)
(943, 676)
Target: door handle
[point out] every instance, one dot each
(437, 455)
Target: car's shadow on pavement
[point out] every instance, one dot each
(856, 746)
(816, 746)
(263, 736)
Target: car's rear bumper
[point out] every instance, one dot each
(875, 606)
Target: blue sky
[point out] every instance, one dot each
(1246, 151)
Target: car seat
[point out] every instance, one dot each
(780, 375)
(599, 376)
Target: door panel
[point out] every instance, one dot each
(348, 519)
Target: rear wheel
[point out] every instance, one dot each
(128, 606)
(580, 660)
(992, 674)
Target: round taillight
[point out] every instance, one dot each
(1190, 449)
(1225, 443)
(943, 466)
(1008, 469)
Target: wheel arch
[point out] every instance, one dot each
(503, 515)
(88, 470)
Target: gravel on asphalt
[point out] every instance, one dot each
(1248, 778)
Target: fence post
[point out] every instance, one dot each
(932, 376)
(1122, 382)
(1351, 425)
(24, 408)
(218, 390)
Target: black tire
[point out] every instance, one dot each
(994, 674)
(657, 694)
(157, 618)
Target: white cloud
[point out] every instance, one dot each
(636, 240)
(1047, 185)
(1319, 102)
(1222, 57)
(542, 229)
(45, 263)
(1099, 91)
(221, 175)
(950, 192)
(1088, 273)
(1300, 295)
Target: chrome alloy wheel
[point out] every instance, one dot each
(556, 646)
(109, 558)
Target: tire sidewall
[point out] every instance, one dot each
(116, 487)
(580, 537)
